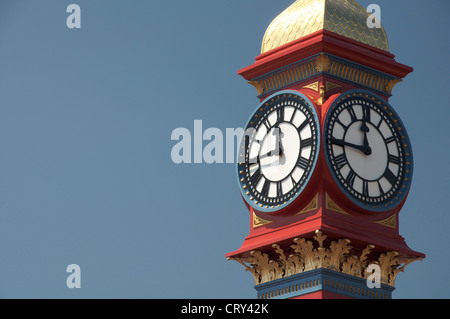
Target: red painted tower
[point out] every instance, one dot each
(326, 163)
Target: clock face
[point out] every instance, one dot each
(368, 151)
(279, 151)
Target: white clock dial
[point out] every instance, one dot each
(280, 151)
(368, 151)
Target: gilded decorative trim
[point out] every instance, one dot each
(331, 205)
(321, 98)
(258, 86)
(331, 86)
(313, 86)
(306, 255)
(390, 85)
(313, 205)
(258, 221)
(319, 89)
(390, 222)
(324, 63)
(285, 77)
(358, 75)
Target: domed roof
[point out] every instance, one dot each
(344, 17)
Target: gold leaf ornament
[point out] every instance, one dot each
(339, 255)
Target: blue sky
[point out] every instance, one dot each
(86, 118)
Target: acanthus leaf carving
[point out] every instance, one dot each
(305, 255)
(304, 248)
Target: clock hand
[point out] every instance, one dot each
(279, 150)
(260, 157)
(365, 129)
(365, 149)
(276, 152)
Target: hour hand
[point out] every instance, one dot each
(365, 149)
(258, 158)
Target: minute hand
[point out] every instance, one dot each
(365, 149)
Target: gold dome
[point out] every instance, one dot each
(344, 17)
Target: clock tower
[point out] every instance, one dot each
(325, 163)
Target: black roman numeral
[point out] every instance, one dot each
(340, 161)
(265, 189)
(280, 114)
(366, 113)
(365, 190)
(352, 113)
(380, 188)
(279, 190)
(391, 178)
(350, 179)
(379, 123)
(394, 159)
(341, 124)
(303, 163)
(307, 143)
(293, 180)
(389, 140)
(292, 116)
(256, 177)
(267, 125)
(302, 126)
